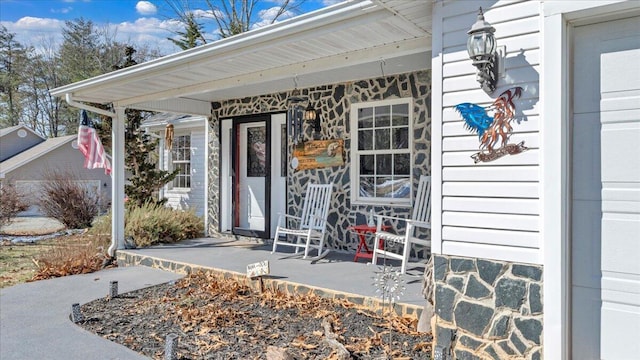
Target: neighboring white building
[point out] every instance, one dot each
(27, 157)
(536, 253)
(188, 153)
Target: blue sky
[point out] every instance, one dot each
(36, 22)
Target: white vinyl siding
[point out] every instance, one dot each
(193, 197)
(489, 209)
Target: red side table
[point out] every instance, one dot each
(362, 230)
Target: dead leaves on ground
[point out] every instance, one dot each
(214, 314)
(72, 255)
(214, 292)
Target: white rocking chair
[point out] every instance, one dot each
(312, 223)
(421, 217)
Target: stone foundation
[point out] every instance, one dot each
(487, 309)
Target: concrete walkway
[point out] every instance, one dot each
(34, 317)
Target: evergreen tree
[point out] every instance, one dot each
(80, 51)
(13, 62)
(145, 178)
(191, 36)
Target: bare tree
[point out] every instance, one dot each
(42, 111)
(231, 17)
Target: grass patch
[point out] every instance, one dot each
(64, 255)
(16, 264)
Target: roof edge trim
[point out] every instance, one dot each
(339, 12)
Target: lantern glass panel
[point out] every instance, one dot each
(490, 42)
(481, 45)
(475, 45)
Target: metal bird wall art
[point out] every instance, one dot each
(493, 129)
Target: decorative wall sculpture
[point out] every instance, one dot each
(493, 129)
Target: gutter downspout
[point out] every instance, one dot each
(117, 178)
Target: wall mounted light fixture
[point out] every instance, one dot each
(312, 116)
(481, 46)
(297, 114)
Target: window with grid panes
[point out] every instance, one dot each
(381, 152)
(181, 159)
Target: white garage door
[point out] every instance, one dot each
(606, 191)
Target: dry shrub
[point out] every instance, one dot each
(10, 204)
(152, 224)
(102, 224)
(68, 201)
(80, 254)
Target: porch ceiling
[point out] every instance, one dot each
(339, 43)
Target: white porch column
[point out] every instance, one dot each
(117, 188)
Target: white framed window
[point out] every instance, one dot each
(181, 159)
(381, 143)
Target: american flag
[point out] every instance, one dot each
(90, 146)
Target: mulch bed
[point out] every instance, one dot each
(218, 318)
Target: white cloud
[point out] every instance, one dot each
(331, 2)
(148, 31)
(204, 14)
(62, 10)
(146, 8)
(29, 23)
(29, 26)
(33, 31)
(37, 32)
(148, 26)
(266, 16)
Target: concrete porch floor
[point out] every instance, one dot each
(336, 275)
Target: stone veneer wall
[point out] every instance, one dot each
(334, 101)
(487, 309)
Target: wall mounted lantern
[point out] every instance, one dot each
(297, 115)
(312, 116)
(481, 46)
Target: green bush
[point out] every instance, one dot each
(153, 224)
